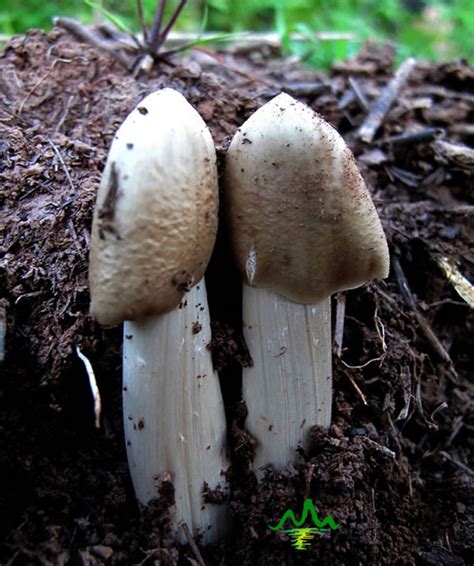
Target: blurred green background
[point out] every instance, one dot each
(432, 29)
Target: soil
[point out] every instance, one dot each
(395, 470)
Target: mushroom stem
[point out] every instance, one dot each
(288, 390)
(173, 412)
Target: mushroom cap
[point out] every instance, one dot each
(155, 219)
(302, 221)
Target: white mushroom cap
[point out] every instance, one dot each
(155, 219)
(301, 218)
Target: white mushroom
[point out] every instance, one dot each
(153, 232)
(303, 226)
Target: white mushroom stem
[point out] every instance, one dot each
(173, 412)
(288, 390)
(302, 224)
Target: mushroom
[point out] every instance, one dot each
(153, 232)
(302, 226)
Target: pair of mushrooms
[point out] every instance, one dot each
(302, 226)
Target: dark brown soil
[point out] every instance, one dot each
(395, 470)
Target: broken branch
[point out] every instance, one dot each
(382, 105)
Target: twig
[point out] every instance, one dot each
(382, 105)
(457, 463)
(427, 134)
(359, 94)
(458, 153)
(27, 296)
(65, 112)
(75, 238)
(87, 35)
(221, 61)
(380, 448)
(443, 405)
(406, 177)
(380, 330)
(409, 299)
(457, 426)
(403, 284)
(61, 160)
(432, 90)
(93, 385)
(421, 207)
(437, 304)
(356, 387)
(193, 545)
(44, 78)
(340, 317)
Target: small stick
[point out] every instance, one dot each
(459, 153)
(380, 330)
(380, 448)
(86, 35)
(75, 238)
(65, 112)
(457, 463)
(221, 61)
(423, 323)
(382, 105)
(427, 134)
(340, 317)
(359, 94)
(458, 425)
(432, 90)
(193, 545)
(93, 386)
(61, 160)
(356, 387)
(37, 85)
(403, 284)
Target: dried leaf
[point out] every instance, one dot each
(464, 288)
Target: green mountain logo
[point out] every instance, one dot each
(300, 536)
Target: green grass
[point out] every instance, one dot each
(442, 29)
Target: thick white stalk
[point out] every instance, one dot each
(289, 388)
(173, 412)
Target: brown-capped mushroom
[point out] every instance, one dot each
(152, 236)
(303, 226)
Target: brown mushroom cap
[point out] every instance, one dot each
(302, 221)
(155, 219)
